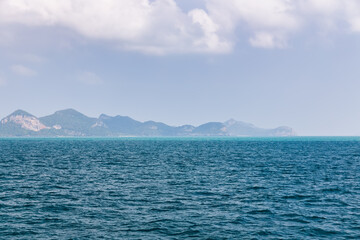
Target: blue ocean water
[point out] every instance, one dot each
(168, 188)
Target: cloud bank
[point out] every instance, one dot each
(150, 26)
(161, 26)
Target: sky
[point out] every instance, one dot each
(271, 63)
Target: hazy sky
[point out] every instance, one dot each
(271, 63)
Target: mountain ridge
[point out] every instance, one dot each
(70, 122)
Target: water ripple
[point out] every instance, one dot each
(178, 189)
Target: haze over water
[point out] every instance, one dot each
(161, 188)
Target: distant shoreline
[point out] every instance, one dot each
(195, 138)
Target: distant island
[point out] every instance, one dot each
(71, 123)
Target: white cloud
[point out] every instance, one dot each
(336, 12)
(268, 40)
(161, 27)
(277, 14)
(333, 13)
(23, 71)
(352, 10)
(210, 38)
(153, 26)
(321, 7)
(323, 14)
(269, 22)
(89, 78)
(272, 22)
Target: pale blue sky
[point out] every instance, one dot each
(291, 63)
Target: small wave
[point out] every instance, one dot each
(260, 211)
(298, 220)
(297, 197)
(316, 231)
(332, 190)
(255, 188)
(316, 218)
(188, 233)
(154, 229)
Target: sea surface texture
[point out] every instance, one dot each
(294, 188)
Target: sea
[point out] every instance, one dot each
(180, 188)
